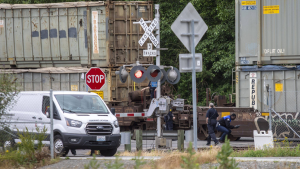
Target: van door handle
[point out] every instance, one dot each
(40, 118)
(34, 117)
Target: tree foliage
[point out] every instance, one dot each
(217, 46)
(8, 91)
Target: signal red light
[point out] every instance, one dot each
(138, 74)
(154, 73)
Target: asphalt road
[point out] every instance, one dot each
(150, 144)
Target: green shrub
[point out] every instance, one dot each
(139, 161)
(189, 161)
(27, 153)
(222, 157)
(93, 163)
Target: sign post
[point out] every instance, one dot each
(95, 78)
(158, 88)
(190, 34)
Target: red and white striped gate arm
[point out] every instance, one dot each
(130, 114)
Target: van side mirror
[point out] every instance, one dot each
(113, 111)
(54, 113)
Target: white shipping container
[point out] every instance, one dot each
(252, 88)
(267, 32)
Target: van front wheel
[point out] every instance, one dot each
(59, 148)
(109, 152)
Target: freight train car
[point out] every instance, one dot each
(51, 45)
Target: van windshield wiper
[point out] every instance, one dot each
(69, 110)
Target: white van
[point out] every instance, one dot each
(81, 120)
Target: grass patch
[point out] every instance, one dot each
(174, 159)
(282, 149)
(4, 164)
(269, 152)
(145, 153)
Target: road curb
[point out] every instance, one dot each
(111, 158)
(268, 159)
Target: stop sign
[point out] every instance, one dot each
(95, 78)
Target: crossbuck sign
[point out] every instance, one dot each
(148, 32)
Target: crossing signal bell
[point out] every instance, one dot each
(123, 74)
(173, 76)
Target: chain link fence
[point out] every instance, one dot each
(27, 116)
(285, 116)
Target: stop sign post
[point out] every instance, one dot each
(95, 78)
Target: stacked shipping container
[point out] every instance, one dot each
(267, 54)
(72, 36)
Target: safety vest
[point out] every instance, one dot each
(227, 117)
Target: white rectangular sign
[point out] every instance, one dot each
(149, 52)
(95, 31)
(253, 93)
(186, 62)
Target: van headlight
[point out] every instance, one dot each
(116, 123)
(73, 123)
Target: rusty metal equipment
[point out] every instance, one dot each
(182, 117)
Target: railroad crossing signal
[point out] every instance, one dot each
(148, 32)
(138, 74)
(95, 78)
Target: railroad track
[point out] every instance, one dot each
(235, 148)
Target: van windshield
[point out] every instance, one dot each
(77, 103)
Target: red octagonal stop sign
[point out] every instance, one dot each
(95, 78)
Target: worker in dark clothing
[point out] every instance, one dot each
(152, 90)
(211, 121)
(169, 120)
(224, 126)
